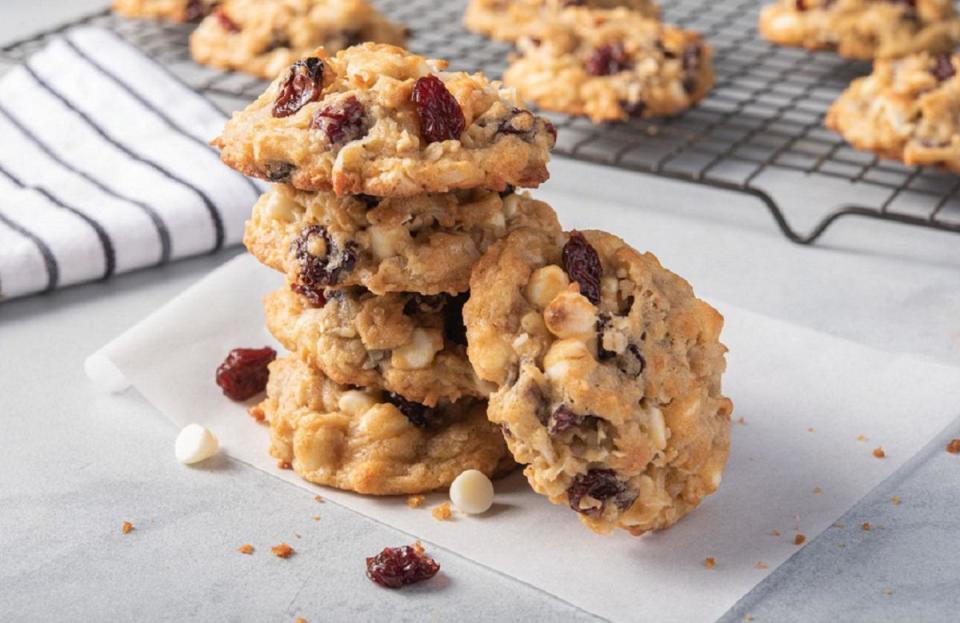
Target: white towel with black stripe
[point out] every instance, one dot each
(105, 167)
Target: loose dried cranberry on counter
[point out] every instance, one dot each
(608, 59)
(243, 374)
(582, 264)
(341, 121)
(302, 86)
(943, 68)
(418, 414)
(441, 118)
(399, 566)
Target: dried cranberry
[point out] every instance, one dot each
(441, 118)
(582, 263)
(317, 271)
(398, 566)
(224, 20)
(599, 484)
(278, 171)
(303, 85)
(608, 59)
(943, 68)
(454, 329)
(418, 414)
(243, 374)
(315, 296)
(521, 123)
(564, 418)
(341, 121)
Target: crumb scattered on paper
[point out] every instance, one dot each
(862, 438)
(817, 490)
(317, 498)
(283, 550)
(300, 620)
(415, 501)
(257, 413)
(799, 539)
(246, 549)
(284, 465)
(954, 446)
(866, 526)
(896, 500)
(742, 421)
(774, 532)
(316, 517)
(839, 524)
(811, 430)
(879, 453)
(710, 562)
(761, 565)
(888, 591)
(126, 528)
(442, 512)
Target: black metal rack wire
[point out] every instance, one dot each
(759, 132)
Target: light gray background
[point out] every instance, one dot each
(75, 464)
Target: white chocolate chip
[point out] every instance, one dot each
(386, 242)
(355, 403)
(658, 429)
(570, 314)
(194, 444)
(566, 357)
(281, 208)
(419, 352)
(472, 492)
(545, 284)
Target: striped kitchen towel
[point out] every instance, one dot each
(105, 167)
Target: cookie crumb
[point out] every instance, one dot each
(748, 617)
(126, 528)
(761, 565)
(896, 500)
(442, 512)
(742, 421)
(317, 498)
(710, 562)
(316, 517)
(800, 539)
(246, 549)
(866, 526)
(862, 438)
(774, 532)
(879, 453)
(888, 591)
(954, 446)
(257, 414)
(652, 130)
(284, 465)
(282, 551)
(839, 524)
(811, 430)
(300, 620)
(415, 501)
(817, 491)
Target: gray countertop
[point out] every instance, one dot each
(76, 464)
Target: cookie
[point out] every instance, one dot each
(378, 120)
(608, 370)
(863, 29)
(264, 37)
(409, 344)
(171, 10)
(372, 442)
(508, 20)
(426, 244)
(611, 65)
(905, 110)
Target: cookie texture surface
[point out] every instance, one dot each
(378, 120)
(508, 20)
(171, 10)
(611, 65)
(371, 442)
(908, 109)
(409, 344)
(264, 37)
(863, 29)
(609, 373)
(426, 244)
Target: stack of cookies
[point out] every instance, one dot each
(392, 177)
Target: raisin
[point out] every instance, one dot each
(691, 59)
(418, 414)
(599, 484)
(398, 566)
(243, 374)
(520, 123)
(582, 263)
(224, 20)
(314, 296)
(563, 418)
(943, 68)
(325, 269)
(278, 171)
(441, 118)
(303, 85)
(341, 121)
(631, 362)
(608, 59)
(634, 109)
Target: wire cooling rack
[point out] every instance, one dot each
(759, 132)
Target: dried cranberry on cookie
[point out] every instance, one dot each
(609, 373)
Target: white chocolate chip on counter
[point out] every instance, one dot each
(194, 444)
(472, 492)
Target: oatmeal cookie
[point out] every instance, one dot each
(609, 374)
(409, 344)
(907, 109)
(863, 29)
(508, 20)
(373, 442)
(263, 37)
(172, 10)
(426, 244)
(611, 65)
(376, 119)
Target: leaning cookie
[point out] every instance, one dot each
(609, 372)
(508, 21)
(426, 244)
(263, 37)
(863, 29)
(376, 119)
(409, 344)
(373, 442)
(905, 110)
(171, 10)
(611, 65)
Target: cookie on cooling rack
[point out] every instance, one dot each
(863, 29)
(379, 120)
(172, 10)
(506, 20)
(425, 244)
(611, 65)
(608, 370)
(263, 37)
(905, 110)
(373, 442)
(409, 344)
